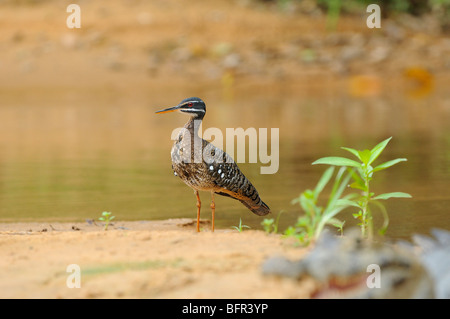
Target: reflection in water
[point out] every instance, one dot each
(71, 158)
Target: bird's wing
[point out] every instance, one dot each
(230, 181)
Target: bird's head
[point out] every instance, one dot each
(192, 106)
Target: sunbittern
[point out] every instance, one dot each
(204, 167)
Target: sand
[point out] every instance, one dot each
(142, 259)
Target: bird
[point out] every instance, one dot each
(205, 167)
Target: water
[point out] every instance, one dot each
(70, 154)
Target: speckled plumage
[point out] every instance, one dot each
(204, 167)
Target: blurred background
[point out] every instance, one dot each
(79, 136)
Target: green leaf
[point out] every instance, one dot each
(323, 181)
(346, 202)
(392, 195)
(388, 164)
(337, 161)
(365, 156)
(385, 225)
(353, 151)
(370, 171)
(326, 218)
(336, 223)
(307, 201)
(356, 185)
(358, 181)
(376, 151)
(357, 215)
(267, 224)
(339, 186)
(290, 231)
(303, 221)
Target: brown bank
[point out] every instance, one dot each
(141, 259)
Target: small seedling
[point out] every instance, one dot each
(309, 226)
(107, 218)
(270, 225)
(240, 227)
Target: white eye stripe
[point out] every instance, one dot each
(193, 110)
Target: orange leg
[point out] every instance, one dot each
(213, 209)
(199, 205)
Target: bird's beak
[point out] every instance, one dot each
(170, 109)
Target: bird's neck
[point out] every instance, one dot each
(193, 125)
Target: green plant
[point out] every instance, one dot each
(362, 174)
(240, 227)
(107, 218)
(270, 225)
(333, 13)
(310, 225)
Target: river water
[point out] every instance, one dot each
(68, 155)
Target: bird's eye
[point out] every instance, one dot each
(190, 104)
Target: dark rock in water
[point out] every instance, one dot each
(435, 257)
(350, 267)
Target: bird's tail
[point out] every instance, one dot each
(257, 207)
